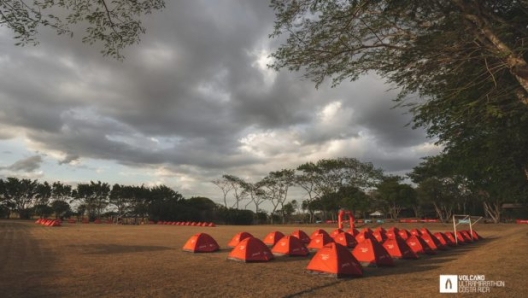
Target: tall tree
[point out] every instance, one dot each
(116, 24)
(276, 186)
(225, 187)
(439, 193)
(60, 208)
(119, 197)
(94, 196)
(22, 193)
(237, 185)
(61, 192)
(166, 204)
(44, 193)
(465, 59)
(395, 195)
(255, 193)
(309, 179)
(415, 44)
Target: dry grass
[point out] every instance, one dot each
(80, 260)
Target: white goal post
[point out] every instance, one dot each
(464, 219)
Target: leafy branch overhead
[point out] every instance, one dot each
(114, 24)
(418, 45)
(461, 66)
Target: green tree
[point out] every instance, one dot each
(237, 185)
(60, 208)
(119, 199)
(168, 205)
(354, 199)
(415, 44)
(395, 195)
(225, 187)
(276, 186)
(466, 60)
(438, 193)
(116, 24)
(308, 179)
(22, 194)
(94, 196)
(61, 192)
(288, 211)
(42, 210)
(44, 193)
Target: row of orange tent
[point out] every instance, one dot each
(48, 222)
(187, 223)
(339, 253)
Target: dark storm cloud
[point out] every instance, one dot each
(185, 95)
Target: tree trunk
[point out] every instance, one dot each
(417, 211)
(395, 212)
(439, 212)
(517, 65)
(493, 210)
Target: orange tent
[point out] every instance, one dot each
(451, 237)
(273, 237)
(290, 246)
(335, 259)
(335, 232)
(380, 229)
(201, 242)
(367, 230)
(239, 237)
(317, 232)
(251, 249)
(430, 239)
(398, 248)
(432, 242)
(320, 240)
(371, 253)
(380, 236)
(416, 232)
(460, 237)
(301, 235)
(476, 236)
(404, 234)
(419, 246)
(363, 235)
(345, 239)
(392, 233)
(352, 232)
(467, 236)
(443, 239)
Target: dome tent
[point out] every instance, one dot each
(251, 249)
(336, 260)
(201, 242)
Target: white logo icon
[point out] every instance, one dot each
(448, 283)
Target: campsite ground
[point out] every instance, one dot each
(87, 260)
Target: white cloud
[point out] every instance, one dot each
(194, 100)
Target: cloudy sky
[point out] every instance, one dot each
(193, 101)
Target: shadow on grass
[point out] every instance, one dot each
(27, 269)
(425, 262)
(333, 283)
(96, 249)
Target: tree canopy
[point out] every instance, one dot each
(421, 46)
(116, 24)
(461, 68)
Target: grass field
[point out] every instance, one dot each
(87, 260)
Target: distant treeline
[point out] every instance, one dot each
(95, 200)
